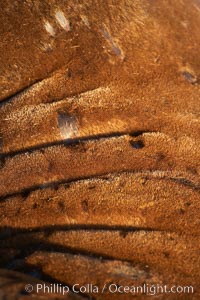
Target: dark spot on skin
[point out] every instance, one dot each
(189, 77)
(35, 205)
(144, 180)
(84, 205)
(48, 199)
(137, 144)
(188, 203)
(181, 211)
(69, 73)
(91, 187)
(160, 156)
(166, 254)
(61, 205)
(123, 234)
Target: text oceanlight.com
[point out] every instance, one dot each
(111, 288)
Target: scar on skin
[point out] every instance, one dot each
(85, 21)
(189, 74)
(49, 28)
(67, 125)
(62, 21)
(113, 45)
